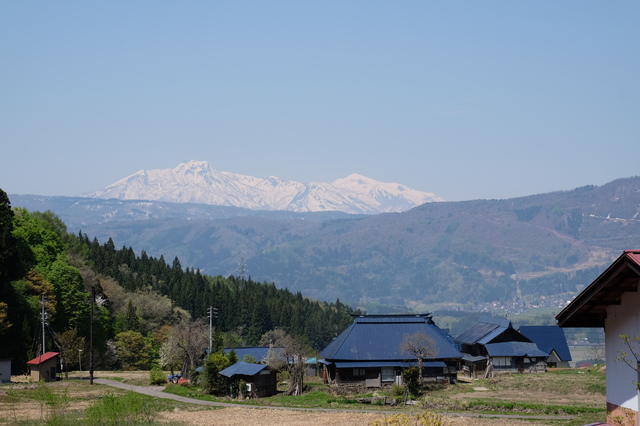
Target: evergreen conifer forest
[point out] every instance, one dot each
(146, 312)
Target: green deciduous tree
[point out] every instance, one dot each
(214, 383)
(71, 300)
(133, 350)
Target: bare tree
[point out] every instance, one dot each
(597, 352)
(70, 346)
(420, 345)
(633, 343)
(294, 352)
(188, 338)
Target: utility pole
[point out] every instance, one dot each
(44, 323)
(213, 312)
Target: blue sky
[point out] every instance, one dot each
(466, 99)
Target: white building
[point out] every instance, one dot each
(612, 301)
(5, 371)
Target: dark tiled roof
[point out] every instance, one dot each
(514, 349)
(243, 369)
(378, 338)
(484, 331)
(372, 364)
(548, 338)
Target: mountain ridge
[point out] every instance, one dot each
(532, 249)
(199, 182)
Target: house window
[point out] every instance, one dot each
(358, 372)
(387, 374)
(502, 361)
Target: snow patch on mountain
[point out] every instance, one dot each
(199, 182)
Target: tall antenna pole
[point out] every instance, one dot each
(242, 268)
(93, 299)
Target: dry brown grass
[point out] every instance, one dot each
(271, 417)
(82, 395)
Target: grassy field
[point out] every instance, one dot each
(574, 393)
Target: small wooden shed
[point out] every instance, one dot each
(45, 366)
(260, 380)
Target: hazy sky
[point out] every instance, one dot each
(466, 99)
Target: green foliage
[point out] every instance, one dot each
(213, 382)
(249, 359)
(8, 243)
(115, 410)
(133, 350)
(412, 380)
(157, 376)
(52, 404)
(71, 307)
(233, 357)
(397, 390)
(40, 236)
(244, 304)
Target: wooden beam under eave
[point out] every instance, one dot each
(603, 302)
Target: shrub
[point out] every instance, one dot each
(156, 376)
(128, 409)
(397, 390)
(412, 379)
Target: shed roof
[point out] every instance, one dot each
(589, 308)
(485, 330)
(243, 369)
(515, 349)
(42, 358)
(548, 338)
(378, 338)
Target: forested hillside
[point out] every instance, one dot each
(534, 250)
(146, 311)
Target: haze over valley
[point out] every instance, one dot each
(534, 250)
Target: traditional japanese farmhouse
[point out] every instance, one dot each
(44, 367)
(612, 301)
(260, 380)
(369, 351)
(493, 346)
(551, 340)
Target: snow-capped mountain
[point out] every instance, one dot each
(199, 182)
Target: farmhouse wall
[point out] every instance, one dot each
(621, 319)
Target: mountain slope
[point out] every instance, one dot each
(199, 182)
(471, 252)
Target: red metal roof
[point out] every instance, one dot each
(589, 308)
(42, 358)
